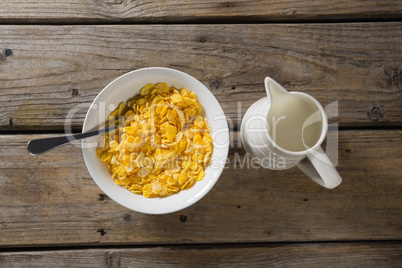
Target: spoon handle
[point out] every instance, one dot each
(40, 146)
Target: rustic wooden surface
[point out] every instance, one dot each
(359, 65)
(53, 200)
(268, 255)
(57, 55)
(93, 11)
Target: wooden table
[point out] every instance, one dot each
(57, 55)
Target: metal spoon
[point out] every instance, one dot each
(40, 146)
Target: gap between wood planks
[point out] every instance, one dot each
(40, 248)
(79, 130)
(215, 21)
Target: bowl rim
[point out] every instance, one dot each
(216, 172)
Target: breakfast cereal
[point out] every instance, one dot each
(162, 144)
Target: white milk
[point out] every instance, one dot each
(291, 122)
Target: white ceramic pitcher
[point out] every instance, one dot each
(286, 129)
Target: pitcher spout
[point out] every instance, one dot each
(273, 89)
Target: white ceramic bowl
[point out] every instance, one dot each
(125, 87)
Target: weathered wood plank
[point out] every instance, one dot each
(359, 65)
(51, 200)
(270, 255)
(70, 11)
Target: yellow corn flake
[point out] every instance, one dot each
(190, 112)
(171, 132)
(162, 86)
(163, 143)
(147, 89)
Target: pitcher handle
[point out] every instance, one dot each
(318, 167)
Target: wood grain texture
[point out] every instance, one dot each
(70, 11)
(271, 255)
(52, 200)
(359, 65)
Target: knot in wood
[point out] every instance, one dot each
(8, 52)
(101, 231)
(396, 77)
(183, 218)
(375, 113)
(394, 74)
(74, 92)
(11, 122)
(215, 84)
(127, 217)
